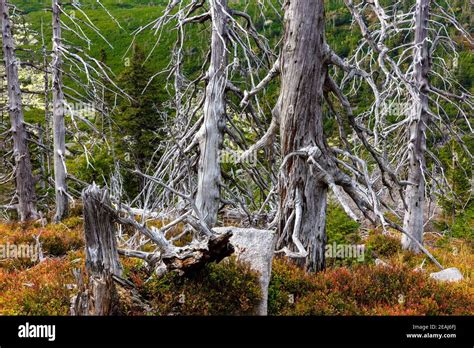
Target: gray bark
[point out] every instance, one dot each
(303, 194)
(212, 131)
(99, 228)
(47, 116)
(197, 255)
(25, 187)
(102, 260)
(59, 130)
(415, 193)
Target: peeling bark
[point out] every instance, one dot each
(303, 193)
(415, 193)
(25, 188)
(212, 131)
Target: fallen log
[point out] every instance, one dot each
(195, 256)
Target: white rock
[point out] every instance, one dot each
(448, 275)
(255, 247)
(379, 262)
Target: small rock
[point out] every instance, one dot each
(448, 275)
(379, 262)
(256, 247)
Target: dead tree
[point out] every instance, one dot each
(212, 130)
(102, 291)
(89, 76)
(47, 114)
(206, 245)
(309, 168)
(99, 296)
(416, 77)
(309, 165)
(59, 129)
(303, 193)
(204, 125)
(415, 193)
(25, 185)
(100, 212)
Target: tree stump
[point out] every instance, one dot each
(99, 296)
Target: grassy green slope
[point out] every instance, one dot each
(130, 17)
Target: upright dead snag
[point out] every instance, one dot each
(310, 166)
(303, 193)
(59, 130)
(415, 192)
(102, 261)
(205, 132)
(25, 186)
(212, 130)
(423, 91)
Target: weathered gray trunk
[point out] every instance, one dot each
(59, 130)
(99, 230)
(415, 193)
(25, 187)
(212, 132)
(102, 261)
(47, 116)
(303, 195)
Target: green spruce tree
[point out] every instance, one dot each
(138, 122)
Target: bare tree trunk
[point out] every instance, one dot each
(303, 195)
(25, 188)
(212, 131)
(42, 158)
(415, 193)
(99, 228)
(102, 261)
(47, 117)
(59, 130)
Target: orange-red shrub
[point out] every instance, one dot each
(364, 290)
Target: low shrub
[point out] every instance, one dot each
(341, 230)
(459, 226)
(364, 290)
(44, 289)
(231, 288)
(381, 245)
(226, 288)
(55, 239)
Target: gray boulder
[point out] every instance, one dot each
(255, 247)
(448, 275)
